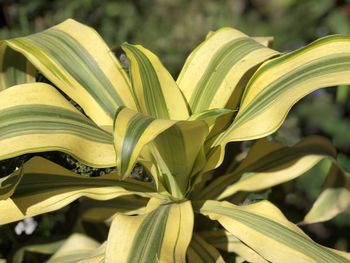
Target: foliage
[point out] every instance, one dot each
(232, 88)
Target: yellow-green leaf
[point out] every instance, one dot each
(212, 72)
(35, 117)
(132, 131)
(264, 228)
(162, 234)
(279, 83)
(76, 59)
(200, 251)
(330, 203)
(154, 89)
(268, 164)
(99, 211)
(46, 186)
(78, 248)
(14, 68)
(224, 240)
(47, 247)
(175, 145)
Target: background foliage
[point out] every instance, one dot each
(172, 29)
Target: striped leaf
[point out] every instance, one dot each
(76, 59)
(266, 41)
(162, 234)
(268, 164)
(45, 186)
(224, 240)
(264, 228)
(9, 183)
(99, 211)
(329, 204)
(213, 71)
(35, 117)
(200, 251)
(79, 248)
(216, 119)
(279, 83)
(175, 146)
(133, 130)
(179, 155)
(44, 247)
(14, 68)
(155, 91)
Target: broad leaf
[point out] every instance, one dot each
(264, 228)
(212, 72)
(202, 252)
(76, 59)
(78, 248)
(46, 247)
(46, 186)
(175, 145)
(279, 83)
(268, 164)
(334, 199)
(223, 240)
(14, 68)
(154, 89)
(99, 211)
(35, 117)
(162, 234)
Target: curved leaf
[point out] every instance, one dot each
(76, 59)
(212, 72)
(133, 130)
(153, 87)
(264, 228)
(202, 252)
(43, 247)
(14, 68)
(175, 146)
(162, 234)
(330, 203)
(268, 164)
(279, 83)
(35, 117)
(223, 240)
(46, 186)
(99, 211)
(78, 248)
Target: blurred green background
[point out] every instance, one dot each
(171, 29)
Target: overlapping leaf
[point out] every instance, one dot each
(334, 199)
(162, 234)
(213, 71)
(35, 117)
(279, 83)
(79, 248)
(176, 145)
(76, 59)
(263, 228)
(45, 186)
(202, 252)
(154, 89)
(269, 164)
(14, 68)
(224, 240)
(99, 211)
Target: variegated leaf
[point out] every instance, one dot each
(212, 72)
(76, 59)
(264, 228)
(35, 117)
(162, 234)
